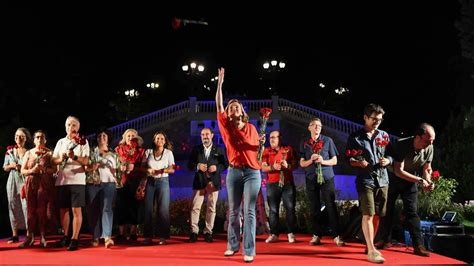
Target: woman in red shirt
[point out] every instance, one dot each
(243, 177)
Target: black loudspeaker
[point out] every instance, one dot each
(459, 247)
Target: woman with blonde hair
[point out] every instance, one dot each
(127, 206)
(243, 177)
(12, 164)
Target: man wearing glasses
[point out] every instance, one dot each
(412, 166)
(327, 158)
(366, 153)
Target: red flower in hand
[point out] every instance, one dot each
(435, 175)
(265, 112)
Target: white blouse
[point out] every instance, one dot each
(161, 162)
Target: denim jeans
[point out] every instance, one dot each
(157, 193)
(409, 193)
(275, 195)
(313, 190)
(243, 184)
(100, 214)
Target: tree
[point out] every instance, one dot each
(457, 151)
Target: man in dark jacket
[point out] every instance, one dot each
(208, 161)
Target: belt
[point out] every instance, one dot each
(239, 166)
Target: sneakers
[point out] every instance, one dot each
(382, 245)
(248, 259)
(229, 253)
(339, 241)
(375, 256)
(74, 245)
(192, 238)
(421, 251)
(208, 238)
(316, 240)
(291, 238)
(272, 238)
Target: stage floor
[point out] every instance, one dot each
(178, 252)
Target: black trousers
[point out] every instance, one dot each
(409, 194)
(325, 191)
(275, 195)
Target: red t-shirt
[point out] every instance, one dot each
(270, 156)
(241, 145)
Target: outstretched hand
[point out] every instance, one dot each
(220, 76)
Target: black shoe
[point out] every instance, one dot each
(193, 238)
(13, 239)
(65, 241)
(133, 238)
(74, 245)
(208, 238)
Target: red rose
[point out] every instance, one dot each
(348, 153)
(435, 175)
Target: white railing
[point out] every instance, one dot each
(249, 105)
(295, 110)
(148, 120)
(328, 120)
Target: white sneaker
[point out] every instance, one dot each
(291, 238)
(374, 256)
(272, 238)
(316, 240)
(339, 241)
(248, 258)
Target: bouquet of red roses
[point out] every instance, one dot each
(381, 143)
(76, 141)
(316, 147)
(11, 152)
(264, 115)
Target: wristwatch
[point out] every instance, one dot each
(420, 181)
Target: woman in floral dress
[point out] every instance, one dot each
(38, 171)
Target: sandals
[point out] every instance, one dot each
(109, 243)
(13, 239)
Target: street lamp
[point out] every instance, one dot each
(153, 85)
(274, 65)
(131, 93)
(193, 68)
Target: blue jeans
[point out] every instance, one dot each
(157, 192)
(275, 195)
(100, 214)
(244, 183)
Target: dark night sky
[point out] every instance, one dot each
(78, 59)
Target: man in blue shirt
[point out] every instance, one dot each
(366, 152)
(327, 157)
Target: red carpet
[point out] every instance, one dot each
(179, 252)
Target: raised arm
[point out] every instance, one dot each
(219, 99)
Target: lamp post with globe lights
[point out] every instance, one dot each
(271, 69)
(194, 72)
